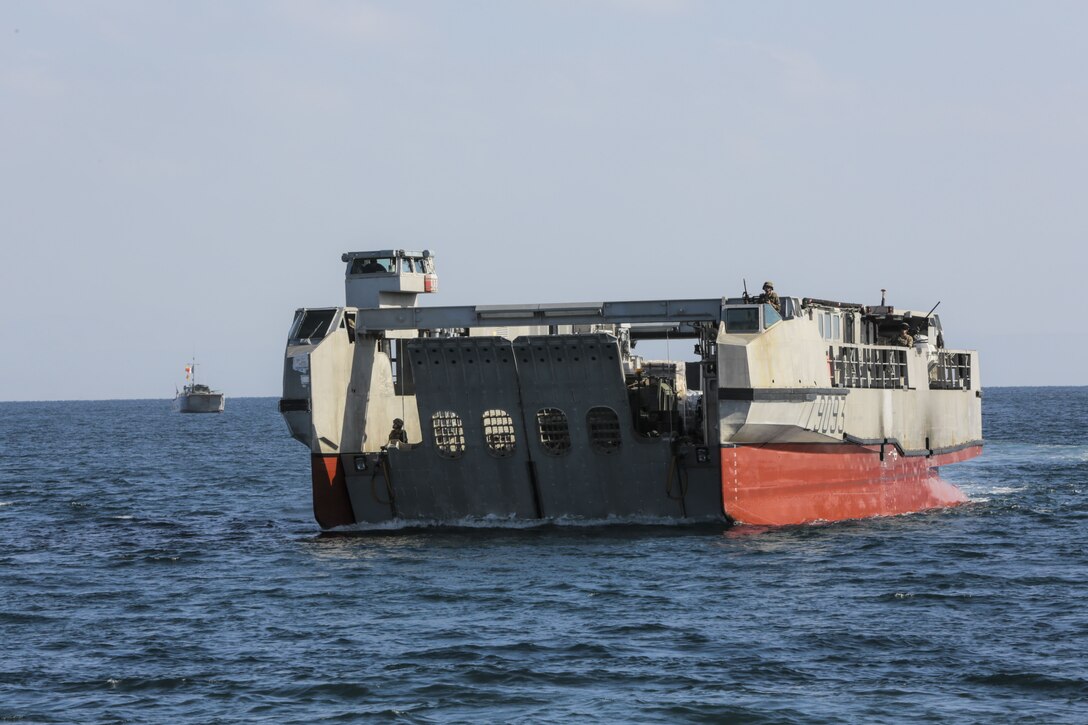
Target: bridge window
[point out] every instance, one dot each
(830, 325)
(499, 432)
(554, 431)
(770, 316)
(742, 319)
(449, 434)
(313, 324)
(604, 429)
(373, 265)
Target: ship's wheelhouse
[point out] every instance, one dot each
(742, 317)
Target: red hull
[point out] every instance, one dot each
(784, 484)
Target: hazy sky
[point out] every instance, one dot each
(179, 177)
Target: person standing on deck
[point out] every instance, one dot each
(398, 436)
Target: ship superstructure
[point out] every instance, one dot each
(811, 411)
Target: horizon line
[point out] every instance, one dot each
(256, 397)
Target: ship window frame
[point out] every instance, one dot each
(412, 265)
(306, 314)
(770, 316)
(449, 434)
(603, 430)
(829, 324)
(553, 429)
(747, 326)
(500, 434)
(390, 264)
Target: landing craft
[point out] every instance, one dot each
(803, 410)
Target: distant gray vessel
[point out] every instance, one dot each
(196, 397)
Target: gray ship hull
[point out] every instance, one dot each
(200, 402)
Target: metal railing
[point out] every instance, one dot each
(868, 367)
(950, 371)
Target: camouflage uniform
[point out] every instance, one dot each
(905, 339)
(770, 297)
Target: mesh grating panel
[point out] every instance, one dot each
(499, 432)
(604, 429)
(554, 431)
(449, 434)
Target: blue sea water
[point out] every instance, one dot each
(157, 567)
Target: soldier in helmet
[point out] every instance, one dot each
(905, 338)
(398, 436)
(770, 297)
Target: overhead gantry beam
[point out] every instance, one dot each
(583, 313)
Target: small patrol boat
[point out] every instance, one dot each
(196, 397)
(792, 409)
